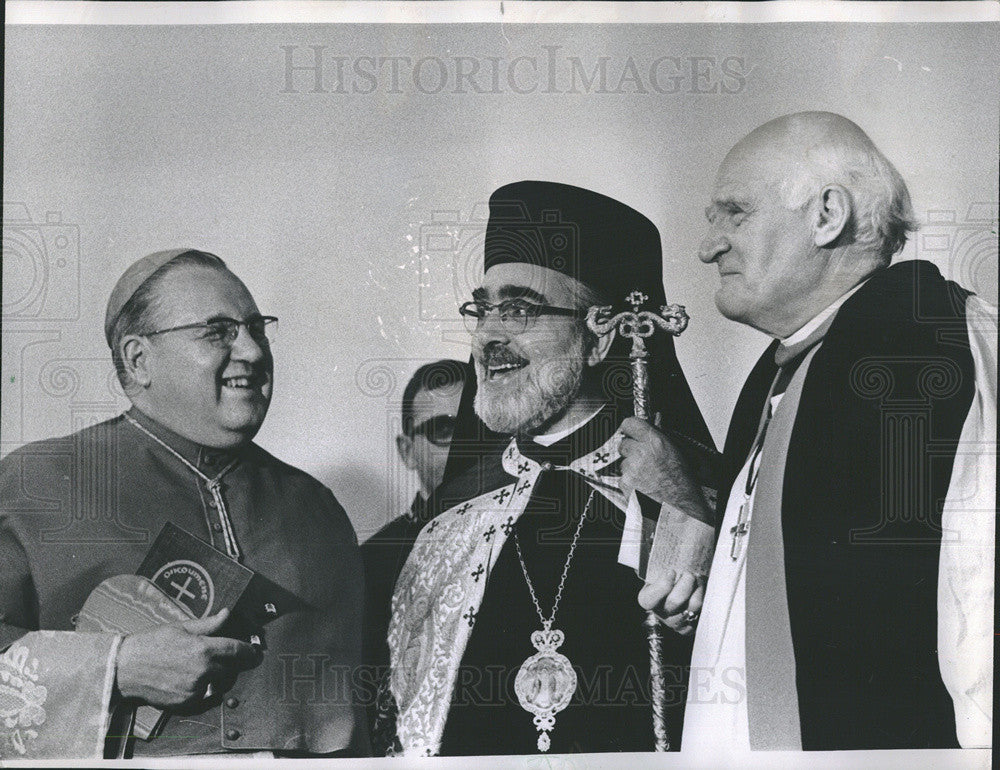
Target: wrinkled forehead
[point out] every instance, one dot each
(194, 293)
(532, 282)
(756, 163)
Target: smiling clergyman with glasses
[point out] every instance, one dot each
(193, 355)
(516, 314)
(224, 331)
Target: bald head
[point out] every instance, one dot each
(800, 132)
(804, 208)
(806, 151)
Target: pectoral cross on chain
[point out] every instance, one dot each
(742, 526)
(740, 530)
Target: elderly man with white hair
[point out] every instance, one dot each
(850, 599)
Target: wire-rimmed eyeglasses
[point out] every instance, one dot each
(224, 331)
(516, 315)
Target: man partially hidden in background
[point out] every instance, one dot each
(428, 408)
(193, 355)
(853, 579)
(528, 555)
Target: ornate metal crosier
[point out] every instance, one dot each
(638, 325)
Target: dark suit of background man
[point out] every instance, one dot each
(850, 600)
(193, 354)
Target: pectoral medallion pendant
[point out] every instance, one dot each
(545, 683)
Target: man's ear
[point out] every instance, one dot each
(404, 445)
(600, 347)
(833, 215)
(134, 356)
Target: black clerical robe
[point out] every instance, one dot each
(867, 470)
(463, 614)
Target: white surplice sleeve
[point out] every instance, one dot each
(965, 577)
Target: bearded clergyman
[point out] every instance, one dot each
(515, 622)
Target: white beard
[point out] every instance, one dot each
(534, 395)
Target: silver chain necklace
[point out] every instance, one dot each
(546, 681)
(213, 485)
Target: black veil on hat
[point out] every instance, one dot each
(612, 249)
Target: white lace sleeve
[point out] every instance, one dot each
(55, 694)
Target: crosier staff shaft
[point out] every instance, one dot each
(638, 325)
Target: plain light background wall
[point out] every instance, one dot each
(120, 141)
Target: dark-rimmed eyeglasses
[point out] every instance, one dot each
(224, 331)
(516, 315)
(437, 429)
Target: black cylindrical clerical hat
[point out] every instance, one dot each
(612, 249)
(599, 241)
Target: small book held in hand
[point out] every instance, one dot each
(198, 577)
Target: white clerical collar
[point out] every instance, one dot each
(817, 320)
(548, 439)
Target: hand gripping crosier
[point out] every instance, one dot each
(638, 325)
